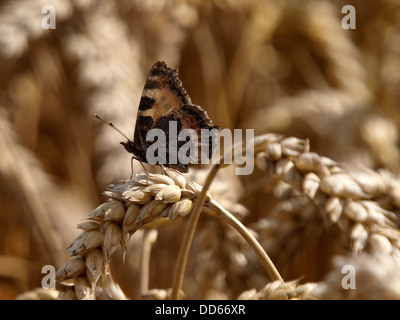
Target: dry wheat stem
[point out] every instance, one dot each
(149, 238)
(191, 228)
(249, 238)
(189, 234)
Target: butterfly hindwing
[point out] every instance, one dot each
(194, 117)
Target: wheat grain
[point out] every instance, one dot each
(73, 268)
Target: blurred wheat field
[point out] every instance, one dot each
(326, 196)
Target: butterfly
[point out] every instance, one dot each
(164, 99)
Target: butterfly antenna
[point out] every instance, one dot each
(112, 126)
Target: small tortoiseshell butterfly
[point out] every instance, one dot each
(164, 99)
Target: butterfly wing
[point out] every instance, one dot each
(164, 99)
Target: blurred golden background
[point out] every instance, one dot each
(286, 67)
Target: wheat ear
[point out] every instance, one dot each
(134, 205)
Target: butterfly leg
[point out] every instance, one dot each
(147, 176)
(163, 169)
